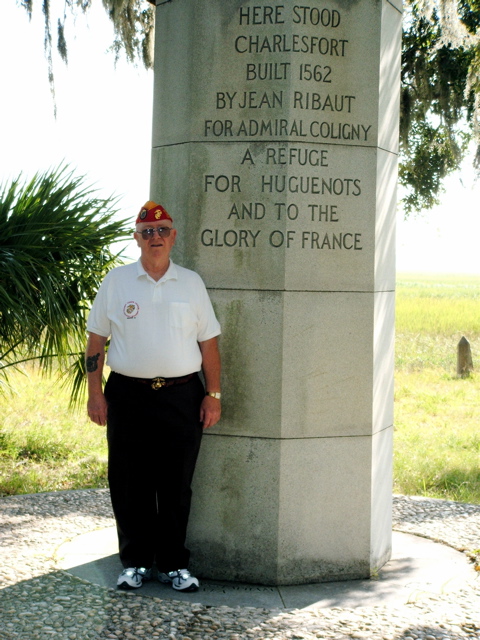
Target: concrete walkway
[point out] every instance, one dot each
(58, 570)
(418, 567)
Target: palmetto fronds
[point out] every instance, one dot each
(55, 238)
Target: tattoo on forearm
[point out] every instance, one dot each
(92, 363)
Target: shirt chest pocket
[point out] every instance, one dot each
(180, 315)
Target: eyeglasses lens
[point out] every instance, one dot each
(163, 232)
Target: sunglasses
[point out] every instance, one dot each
(163, 232)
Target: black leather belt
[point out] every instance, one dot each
(159, 383)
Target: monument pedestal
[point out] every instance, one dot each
(291, 511)
(275, 149)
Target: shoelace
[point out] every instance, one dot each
(184, 575)
(178, 574)
(136, 574)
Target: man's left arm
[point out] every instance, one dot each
(210, 409)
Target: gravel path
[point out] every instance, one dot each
(38, 601)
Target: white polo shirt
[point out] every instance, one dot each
(154, 327)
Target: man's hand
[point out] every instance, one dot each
(97, 409)
(210, 411)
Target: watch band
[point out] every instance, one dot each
(214, 394)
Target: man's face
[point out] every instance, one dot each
(155, 246)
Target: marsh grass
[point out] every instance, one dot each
(45, 446)
(437, 414)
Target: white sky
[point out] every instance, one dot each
(445, 239)
(103, 126)
(103, 130)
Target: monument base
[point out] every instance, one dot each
(263, 511)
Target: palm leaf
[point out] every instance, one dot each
(55, 238)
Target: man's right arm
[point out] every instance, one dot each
(94, 361)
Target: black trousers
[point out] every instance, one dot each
(153, 442)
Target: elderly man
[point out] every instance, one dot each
(162, 331)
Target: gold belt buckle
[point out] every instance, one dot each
(158, 383)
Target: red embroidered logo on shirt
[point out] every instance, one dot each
(131, 309)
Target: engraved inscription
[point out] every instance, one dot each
(291, 106)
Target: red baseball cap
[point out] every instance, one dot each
(152, 212)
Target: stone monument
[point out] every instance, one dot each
(275, 142)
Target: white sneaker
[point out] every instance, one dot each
(133, 577)
(181, 580)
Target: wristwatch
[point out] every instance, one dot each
(214, 394)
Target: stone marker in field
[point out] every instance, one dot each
(275, 148)
(464, 358)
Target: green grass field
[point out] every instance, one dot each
(437, 414)
(46, 447)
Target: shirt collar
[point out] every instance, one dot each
(170, 274)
